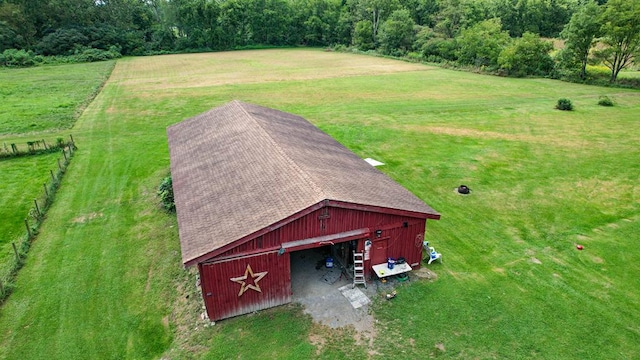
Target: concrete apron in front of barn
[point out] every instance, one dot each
(327, 294)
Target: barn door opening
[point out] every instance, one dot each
(317, 270)
(310, 276)
(343, 252)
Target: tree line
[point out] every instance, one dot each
(503, 35)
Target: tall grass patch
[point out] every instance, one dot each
(22, 181)
(48, 97)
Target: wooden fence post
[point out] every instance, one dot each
(60, 166)
(26, 223)
(15, 250)
(71, 137)
(46, 192)
(35, 201)
(64, 154)
(53, 178)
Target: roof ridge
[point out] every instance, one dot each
(305, 176)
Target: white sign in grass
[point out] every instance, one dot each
(373, 162)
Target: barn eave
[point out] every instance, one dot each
(324, 203)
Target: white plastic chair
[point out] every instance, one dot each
(431, 253)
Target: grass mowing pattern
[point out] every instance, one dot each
(512, 284)
(522, 289)
(47, 98)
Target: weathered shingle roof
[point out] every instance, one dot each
(240, 167)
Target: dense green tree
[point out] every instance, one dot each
(131, 19)
(580, 35)
(39, 17)
(450, 18)
(376, 11)
(396, 33)
(344, 27)
(528, 55)
(621, 35)
(15, 30)
(320, 19)
(275, 18)
(543, 17)
(73, 13)
(552, 15)
(126, 15)
(508, 11)
(450, 30)
(481, 44)
(235, 24)
(163, 36)
(422, 11)
(196, 22)
(62, 42)
(439, 49)
(134, 20)
(315, 30)
(340, 24)
(363, 35)
(424, 34)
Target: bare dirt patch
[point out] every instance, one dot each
(466, 275)
(515, 235)
(557, 260)
(425, 273)
(318, 341)
(323, 337)
(87, 217)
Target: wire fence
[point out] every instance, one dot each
(36, 147)
(37, 213)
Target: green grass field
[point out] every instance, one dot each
(47, 98)
(37, 104)
(22, 181)
(104, 279)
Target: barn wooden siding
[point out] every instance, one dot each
(222, 295)
(405, 241)
(400, 235)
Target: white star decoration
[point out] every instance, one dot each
(249, 280)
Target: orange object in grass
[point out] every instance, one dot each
(579, 247)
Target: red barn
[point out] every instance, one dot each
(252, 185)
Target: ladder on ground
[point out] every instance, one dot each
(358, 269)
